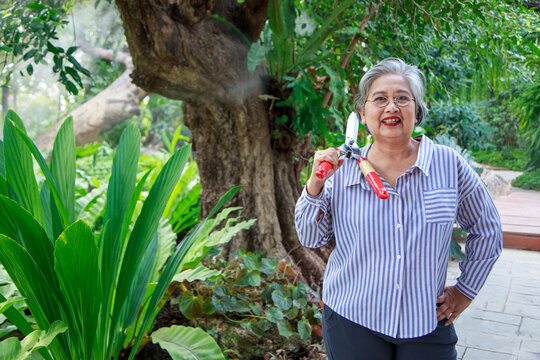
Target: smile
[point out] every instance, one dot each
(391, 121)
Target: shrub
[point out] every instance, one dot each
(462, 121)
(514, 159)
(529, 180)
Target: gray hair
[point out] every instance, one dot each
(414, 76)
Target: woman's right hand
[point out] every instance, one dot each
(314, 184)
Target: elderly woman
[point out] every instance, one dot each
(384, 288)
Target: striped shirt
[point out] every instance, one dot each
(391, 256)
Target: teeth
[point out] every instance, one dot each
(391, 121)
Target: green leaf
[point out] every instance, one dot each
(190, 305)
(48, 175)
(74, 75)
(282, 299)
(224, 304)
(32, 285)
(35, 6)
(16, 319)
(268, 266)
(122, 197)
(63, 166)
(304, 329)
(78, 66)
(71, 50)
(274, 315)
(292, 313)
(41, 339)
(76, 263)
(55, 50)
(248, 278)
(19, 168)
(185, 343)
(285, 328)
(141, 236)
(2, 162)
(11, 349)
(19, 224)
(221, 290)
(256, 328)
(200, 272)
(30, 69)
(5, 305)
(251, 262)
(256, 56)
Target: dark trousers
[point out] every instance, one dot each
(346, 340)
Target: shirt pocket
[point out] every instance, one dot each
(440, 205)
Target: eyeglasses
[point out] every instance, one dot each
(383, 101)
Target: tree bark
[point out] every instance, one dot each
(118, 102)
(192, 51)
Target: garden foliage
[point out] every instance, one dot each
(255, 302)
(96, 283)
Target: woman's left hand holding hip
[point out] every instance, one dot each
(451, 304)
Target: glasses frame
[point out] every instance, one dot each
(393, 100)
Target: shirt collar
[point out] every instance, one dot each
(354, 176)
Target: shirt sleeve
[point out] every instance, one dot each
(313, 217)
(479, 218)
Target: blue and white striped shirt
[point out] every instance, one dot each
(391, 256)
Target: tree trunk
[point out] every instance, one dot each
(192, 51)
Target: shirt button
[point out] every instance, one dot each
(398, 225)
(399, 257)
(398, 286)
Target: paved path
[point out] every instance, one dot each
(503, 322)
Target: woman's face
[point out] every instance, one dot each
(390, 122)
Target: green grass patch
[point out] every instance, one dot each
(529, 180)
(514, 159)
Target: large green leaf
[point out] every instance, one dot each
(63, 166)
(34, 287)
(19, 167)
(143, 231)
(19, 222)
(174, 263)
(121, 201)
(53, 187)
(76, 263)
(186, 343)
(2, 163)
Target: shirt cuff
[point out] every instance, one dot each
(313, 200)
(466, 290)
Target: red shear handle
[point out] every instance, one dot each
(324, 168)
(373, 179)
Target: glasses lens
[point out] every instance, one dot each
(402, 100)
(380, 101)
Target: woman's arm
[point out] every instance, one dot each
(479, 218)
(313, 214)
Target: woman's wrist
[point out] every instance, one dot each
(314, 187)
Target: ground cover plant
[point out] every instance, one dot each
(95, 284)
(256, 308)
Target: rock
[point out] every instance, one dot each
(496, 185)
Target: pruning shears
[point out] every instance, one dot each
(351, 151)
